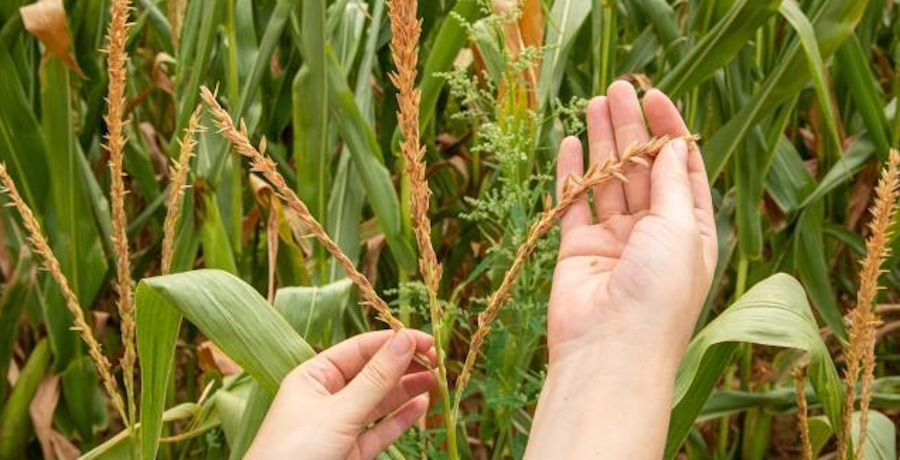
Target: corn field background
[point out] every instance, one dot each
(795, 103)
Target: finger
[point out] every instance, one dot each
(663, 118)
(571, 163)
(609, 197)
(670, 190)
(703, 207)
(410, 386)
(662, 115)
(383, 434)
(329, 371)
(378, 377)
(628, 124)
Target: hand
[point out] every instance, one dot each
(323, 406)
(627, 289)
(639, 275)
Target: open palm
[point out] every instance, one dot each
(639, 272)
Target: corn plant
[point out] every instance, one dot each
(202, 195)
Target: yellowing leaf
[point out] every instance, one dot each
(46, 20)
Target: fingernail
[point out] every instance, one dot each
(400, 343)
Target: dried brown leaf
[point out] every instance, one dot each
(41, 410)
(210, 357)
(531, 23)
(46, 20)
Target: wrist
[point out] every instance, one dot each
(621, 397)
(626, 355)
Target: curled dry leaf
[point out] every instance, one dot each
(100, 320)
(291, 229)
(374, 247)
(46, 20)
(53, 444)
(267, 199)
(157, 157)
(12, 374)
(211, 357)
(642, 82)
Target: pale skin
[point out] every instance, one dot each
(324, 406)
(627, 290)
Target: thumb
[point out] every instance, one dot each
(380, 375)
(670, 185)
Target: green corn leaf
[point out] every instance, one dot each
(310, 106)
(345, 203)
(242, 45)
(643, 51)
(194, 59)
(82, 399)
(227, 311)
(812, 267)
(783, 399)
(665, 22)
(270, 40)
(819, 434)
(566, 18)
(158, 22)
(19, 128)
(605, 34)
(217, 250)
(773, 313)
(267, 46)
(15, 423)
(833, 21)
(119, 446)
(317, 313)
(230, 403)
(74, 237)
(16, 291)
(346, 20)
(853, 67)
(255, 410)
(842, 171)
(719, 46)
(449, 40)
(788, 180)
(807, 37)
(369, 163)
(881, 435)
(344, 208)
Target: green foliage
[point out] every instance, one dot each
(775, 312)
(796, 100)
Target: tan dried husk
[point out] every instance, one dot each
(47, 21)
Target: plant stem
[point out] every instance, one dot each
(746, 356)
(437, 324)
(608, 47)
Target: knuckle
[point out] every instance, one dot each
(311, 375)
(375, 375)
